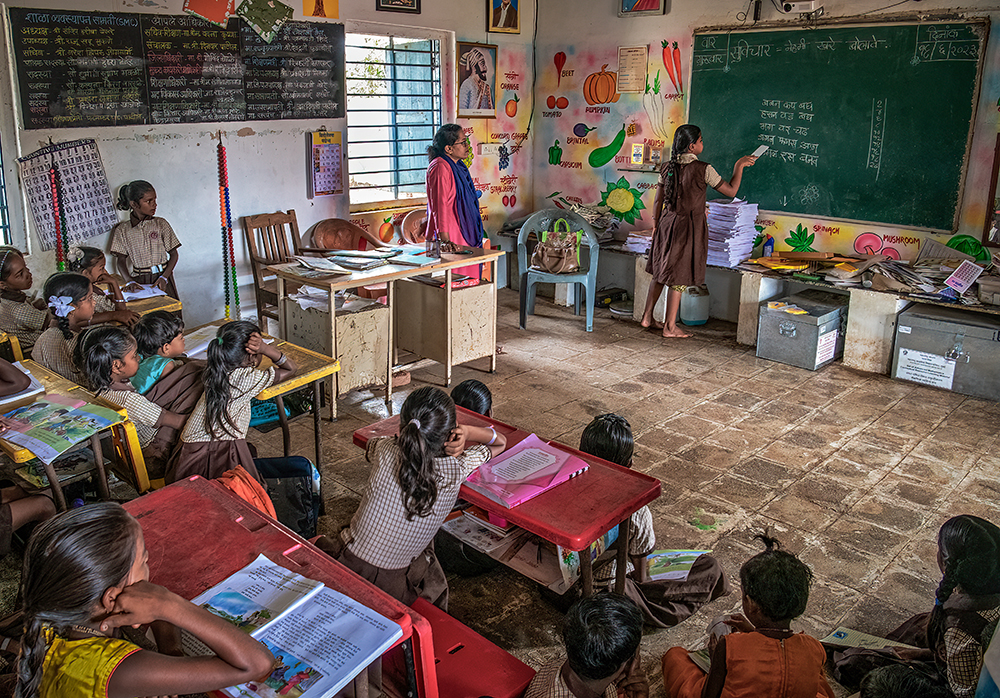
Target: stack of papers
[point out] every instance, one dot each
(731, 231)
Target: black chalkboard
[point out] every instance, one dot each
(79, 69)
(869, 123)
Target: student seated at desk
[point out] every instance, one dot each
(107, 357)
(86, 576)
(664, 603)
(602, 634)
(91, 262)
(755, 653)
(160, 336)
(473, 395)
(19, 317)
(71, 299)
(413, 485)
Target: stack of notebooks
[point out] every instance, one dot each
(731, 231)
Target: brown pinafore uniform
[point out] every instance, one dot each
(680, 242)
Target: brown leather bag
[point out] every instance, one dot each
(558, 251)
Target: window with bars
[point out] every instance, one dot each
(393, 111)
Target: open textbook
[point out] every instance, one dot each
(524, 471)
(320, 638)
(51, 426)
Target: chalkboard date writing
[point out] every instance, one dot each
(78, 69)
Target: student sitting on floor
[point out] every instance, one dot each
(160, 337)
(473, 395)
(413, 485)
(19, 317)
(664, 603)
(107, 357)
(755, 653)
(602, 634)
(91, 262)
(71, 299)
(85, 576)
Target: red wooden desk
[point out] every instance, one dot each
(573, 514)
(198, 533)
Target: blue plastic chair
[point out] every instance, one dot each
(586, 278)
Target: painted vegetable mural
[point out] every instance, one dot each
(601, 87)
(652, 102)
(560, 60)
(672, 62)
(623, 200)
(555, 154)
(581, 130)
(600, 157)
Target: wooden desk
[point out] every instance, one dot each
(312, 368)
(389, 274)
(573, 514)
(148, 305)
(123, 434)
(198, 533)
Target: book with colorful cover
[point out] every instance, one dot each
(524, 471)
(67, 467)
(53, 425)
(672, 564)
(569, 560)
(320, 638)
(214, 11)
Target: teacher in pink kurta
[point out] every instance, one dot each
(452, 203)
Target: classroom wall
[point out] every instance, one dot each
(267, 161)
(591, 39)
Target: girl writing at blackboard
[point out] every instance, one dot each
(680, 226)
(144, 245)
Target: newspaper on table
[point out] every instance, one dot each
(320, 638)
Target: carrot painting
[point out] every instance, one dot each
(632, 8)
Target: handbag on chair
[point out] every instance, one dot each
(558, 251)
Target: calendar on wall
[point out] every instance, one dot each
(86, 198)
(327, 163)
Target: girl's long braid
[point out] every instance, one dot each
(684, 137)
(29, 661)
(64, 328)
(420, 444)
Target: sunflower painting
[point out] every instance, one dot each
(624, 202)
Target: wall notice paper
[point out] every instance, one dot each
(86, 199)
(321, 638)
(327, 163)
(922, 367)
(632, 68)
(53, 425)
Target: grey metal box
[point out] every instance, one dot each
(809, 340)
(948, 348)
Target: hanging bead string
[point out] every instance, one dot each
(59, 216)
(228, 253)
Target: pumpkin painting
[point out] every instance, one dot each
(601, 87)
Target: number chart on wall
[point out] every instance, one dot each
(869, 123)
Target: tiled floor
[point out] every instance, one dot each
(853, 472)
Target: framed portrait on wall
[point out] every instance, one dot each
(477, 80)
(411, 6)
(636, 8)
(503, 16)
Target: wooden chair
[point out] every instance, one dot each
(10, 347)
(272, 238)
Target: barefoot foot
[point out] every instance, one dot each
(675, 332)
(651, 324)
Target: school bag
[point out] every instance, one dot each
(294, 487)
(558, 251)
(243, 485)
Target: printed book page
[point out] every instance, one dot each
(847, 637)
(34, 388)
(528, 462)
(53, 425)
(320, 647)
(136, 292)
(672, 564)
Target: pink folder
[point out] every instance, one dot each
(524, 471)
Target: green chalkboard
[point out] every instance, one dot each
(867, 123)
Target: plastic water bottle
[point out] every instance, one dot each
(694, 305)
(433, 243)
(77, 503)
